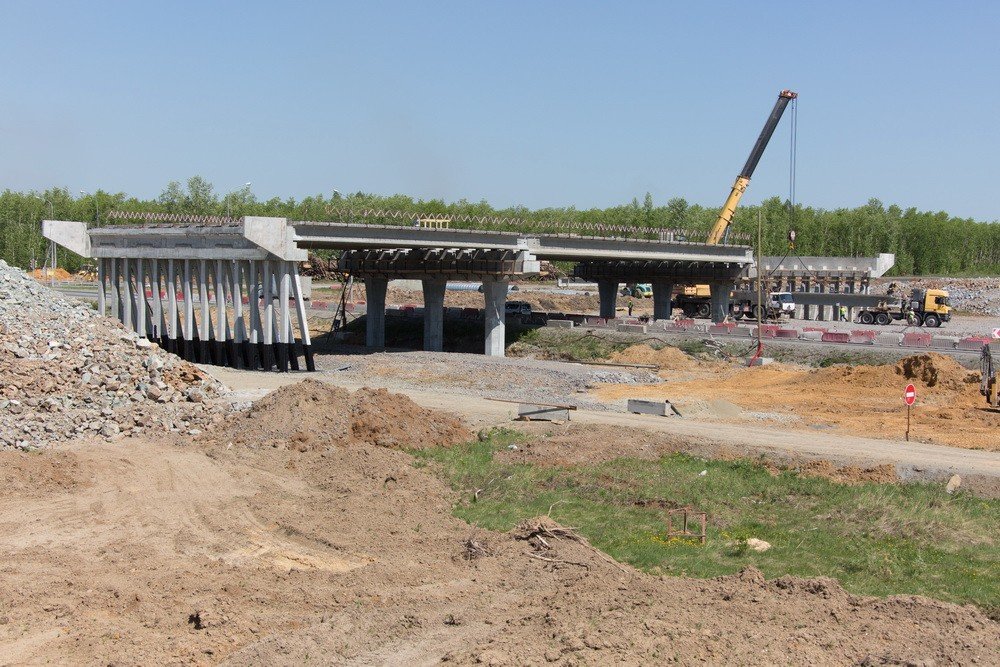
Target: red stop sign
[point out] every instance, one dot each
(910, 394)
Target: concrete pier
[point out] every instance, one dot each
(720, 301)
(375, 289)
(434, 289)
(495, 294)
(608, 291)
(661, 300)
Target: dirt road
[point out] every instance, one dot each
(913, 460)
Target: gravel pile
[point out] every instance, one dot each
(66, 372)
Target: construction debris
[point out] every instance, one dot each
(67, 372)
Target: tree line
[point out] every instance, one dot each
(924, 242)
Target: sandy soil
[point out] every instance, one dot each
(860, 400)
(151, 552)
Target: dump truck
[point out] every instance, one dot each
(924, 307)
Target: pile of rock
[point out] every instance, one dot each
(980, 296)
(66, 372)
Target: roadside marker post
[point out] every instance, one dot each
(996, 333)
(909, 397)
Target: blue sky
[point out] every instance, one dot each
(533, 103)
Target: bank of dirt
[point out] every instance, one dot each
(343, 551)
(860, 400)
(312, 414)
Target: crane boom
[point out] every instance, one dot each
(743, 180)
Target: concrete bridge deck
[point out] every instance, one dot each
(232, 258)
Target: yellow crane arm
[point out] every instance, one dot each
(728, 210)
(743, 180)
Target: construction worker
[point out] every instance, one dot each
(843, 313)
(630, 305)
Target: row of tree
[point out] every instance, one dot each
(924, 243)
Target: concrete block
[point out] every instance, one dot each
(632, 328)
(596, 321)
(811, 335)
(944, 342)
(886, 338)
(743, 331)
(560, 324)
(641, 406)
(531, 412)
(916, 340)
(836, 337)
(767, 330)
(973, 343)
(786, 333)
(761, 361)
(862, 340)
(724, 329)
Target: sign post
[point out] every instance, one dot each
(909, 397)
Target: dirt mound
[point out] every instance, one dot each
(881, 474)
(59, 274)
(936, 370)
(312, 414)
(667, 357)
(23, 473)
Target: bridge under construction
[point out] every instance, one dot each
(243, 275)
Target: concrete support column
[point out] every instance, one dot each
(204, 319)
(140, 298)
(285, 342)
(608, 291)
(807, 311)
(171, 308)
(235, 281)
(221, 354)
(256, 333)
(822, 317)
(101, 290)
(720, 300)
(128, 302)
(300, 311)
(661, 300)
(375, 289)
(188, 295)
(268, 358)
(495, 293)
(116, 292)
(434, 289)
(159, 330)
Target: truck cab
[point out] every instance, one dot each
(783, 302)
(931, 306)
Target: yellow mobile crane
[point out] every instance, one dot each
(694, 299)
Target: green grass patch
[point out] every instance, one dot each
(554, 344)
(876, 539)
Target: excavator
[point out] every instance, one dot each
(694, 300)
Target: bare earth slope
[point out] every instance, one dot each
(264, 551)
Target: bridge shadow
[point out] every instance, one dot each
(406, 334)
